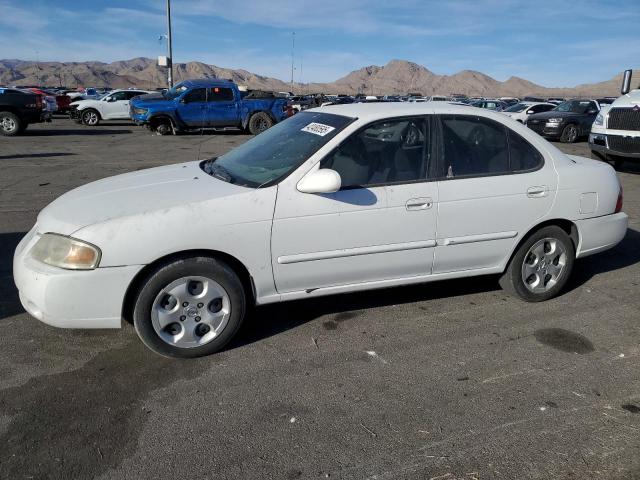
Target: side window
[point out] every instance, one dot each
(218, 94)
(523, 155)
(196, 95)
(473, 146)
(392, 151)
(130, 95)
(119, 96)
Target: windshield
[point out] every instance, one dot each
(276, 152)
(518, 107)
(574, 106)
(174, 92)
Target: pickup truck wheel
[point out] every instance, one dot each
(10, 124)
(90, 117)
(569, 134)
(541, 266)
(259, 122)
(189, 307)
(164, 128)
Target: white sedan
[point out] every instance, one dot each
(332, 200)
(521, 111)
(111, 106)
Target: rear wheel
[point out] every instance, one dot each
(90, 117)
(10, 124)
(541, 266)
(189, 308)
(569, 134)
(259, 122)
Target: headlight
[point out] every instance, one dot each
(65, 252)
(599, 119)
(555, 120)
(140, 111)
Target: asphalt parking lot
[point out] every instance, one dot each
(451, 380)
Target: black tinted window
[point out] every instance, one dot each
(130, 95)
(473, 146)
(542, 108)
(197, 95)
(392, 151)
(119, 96)
(523, 155)
(218, 94)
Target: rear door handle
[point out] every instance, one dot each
(536, 192)
(419, 203)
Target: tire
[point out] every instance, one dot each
(90, 117)
(10, 124)
(197, 321)
(259, 122)
(569, 134)
(164, 128)
(544, 280)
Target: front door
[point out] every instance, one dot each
(495, 186)
(193, 108)
(381, 225)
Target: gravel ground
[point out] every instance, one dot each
(450, 380)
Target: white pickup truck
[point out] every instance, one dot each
(615, 133)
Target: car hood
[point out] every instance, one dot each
(130, 194)
(83, 103)
(151, 100)
(554, 114)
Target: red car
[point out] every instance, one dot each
(62, 101)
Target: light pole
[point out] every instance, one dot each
(293, 47)
(169, 47)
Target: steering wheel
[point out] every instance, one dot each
(411, 135)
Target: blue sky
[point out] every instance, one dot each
(550, 42)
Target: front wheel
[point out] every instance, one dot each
(189, 308)
(569, 134)
(541, 266)
(259, 122)
(90, 118)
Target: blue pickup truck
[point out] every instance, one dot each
(206, 104)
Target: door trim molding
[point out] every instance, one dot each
(483, 237)
(352, 252)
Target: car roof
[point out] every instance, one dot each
(207, 82)
(381, 110)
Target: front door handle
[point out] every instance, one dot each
(536, 192)
(419, 203)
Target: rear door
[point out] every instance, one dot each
(494, 187)
(223, 107)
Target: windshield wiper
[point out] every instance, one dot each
(217, 171)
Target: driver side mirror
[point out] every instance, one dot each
(626, 82)
(529, 112)
(324, 180)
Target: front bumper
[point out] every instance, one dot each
(548, 130)
(618, 145)
(68, 298)
(600, 233)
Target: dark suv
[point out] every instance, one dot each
(19, 108)
(567, 122)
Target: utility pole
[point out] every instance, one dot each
(293, 47)
(169, 47)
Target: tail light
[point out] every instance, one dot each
(39, 101)
(619, 202)
(289, 110)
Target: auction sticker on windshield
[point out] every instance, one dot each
(318, 129)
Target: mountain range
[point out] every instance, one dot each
(396, 77)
